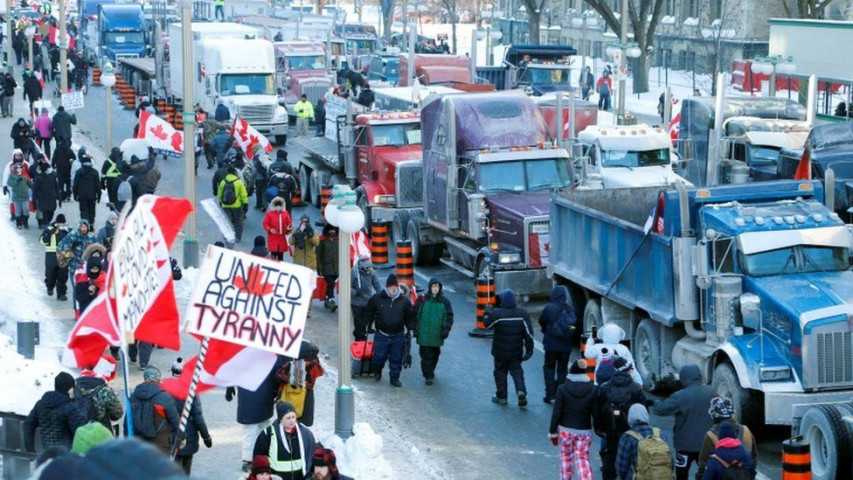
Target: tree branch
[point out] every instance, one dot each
(606, 13)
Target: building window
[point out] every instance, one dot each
(716, 9)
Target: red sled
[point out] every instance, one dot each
(362, 357)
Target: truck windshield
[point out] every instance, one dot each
(247, 84)
(548, 76)
(524, 175)
(797, 259)
(396, 135)
(314, 62)
(124, 37)
(362, 45)
(631, 159)
(762, 155)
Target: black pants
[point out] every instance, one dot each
(55, 277)
(132, 352)
(145, 350)
(330, 286)
(683, 461)
(45, 145)
(360, 321)
(87, 211)
(555, 363)
(112, 189)
(65, 186)
(260, 191)
(608, 457)
(236, 217)
(513, 367)
(46, 218)
(186, 462)
(429, 360)
(277, 255)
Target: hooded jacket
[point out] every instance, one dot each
(87, 182)
(552, 312)
(32, 88)
(712, 436)
(62, 122)
(86, 386)
(21, 135)
(280, 222)
(434, 317)
(574, 405)
(620, 389)
(513, 339)
(690, 408)
(391, 315)
(20, 188)
(46, 190)
(327, 253)
(239, 189)
(309, 240)
(43, 125)
(364, 284)
(166, 414)
(57, 416)
(62, 159)
(730, 450)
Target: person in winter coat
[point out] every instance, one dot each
(626, 454)
(86, 188)
(557, 348)
(234, 210)
(93, 385)
(282, 182)
(325, 466)
(327, 263)
(434, 319)
(111, 174)
(729, 453)
(615, 398)
(723, 411)
(44, 131)
(363, 285)
(55, 415)
(22, 135)
(107, 232)
(303, 372)
(32, 89)
(18, 188)
(19, 42)
(394, 317)
(607, 347)
(303, 240)
(86, 291)
(260, 164)
(277, 224)
(166, 417)
(46, 193)
(690, 408)
(220, 144)
(260, 469)
(222, 113)
(76, 243)
(260, 247)
(55, 277)
(586, 82)
(604, 87)
(62, 122)
(289, 445)
(571, 422)
(62, 159)
(320, 117)
(255, 409)
(8, 99)
(195, 426)
(512, 344)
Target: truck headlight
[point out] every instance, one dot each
(775, 374)
(280, 114)
(505, 258)
(386, 199)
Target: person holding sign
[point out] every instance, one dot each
(394, 316)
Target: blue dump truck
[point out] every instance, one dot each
(750, 282)
(539, 69)
(118, 32)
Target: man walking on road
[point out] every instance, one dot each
(557, 322)
(434, 320)
(86, 188)
(511, 345)
(233, 198)
(393, 314)
(304, 115)
(62, 122)
(55, 277)
(365, 283)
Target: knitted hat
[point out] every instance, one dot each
(578, 367)
(721, 408)
(178, 367)
(727, 431)
(90, 436)
(391, 281)
(63, 382)
(60, 218)
(111, 215)
(638, 414)
(261, 464)
(260, 241)
(622, 365)
(283, 408)
(151, 374)
(324, 457)
(364, 261)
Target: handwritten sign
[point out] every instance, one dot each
(73, 100)
(252, 301)
(138, 246)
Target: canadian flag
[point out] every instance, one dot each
(159, 134)
(247, 137)
(675, 119)
(225, 364)
(96, 329)
(359, 245)
(54, 38)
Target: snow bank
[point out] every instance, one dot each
(28, 379)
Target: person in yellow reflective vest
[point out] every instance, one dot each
(55, 277)
(304, 115)
(288, 444)
(219, 10)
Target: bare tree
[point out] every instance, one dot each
(387, 7)
(450, 6)
(644, 21)
(805, 8)
(534, 17)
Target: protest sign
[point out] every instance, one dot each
(73, 100)
(251, 301)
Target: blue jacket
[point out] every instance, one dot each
(730, 450)
(513, 338)
(222, 113)
(551, 313)
(195, 426)
(256, 407)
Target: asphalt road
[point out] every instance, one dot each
(451, 426)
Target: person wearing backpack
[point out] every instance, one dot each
(615, 399)
(155, 417)
(571, 422)
(723, 411)
(233, 198)
(730, 460)
(557, 322)
(643, 452)
(690, 408)
(93, 394)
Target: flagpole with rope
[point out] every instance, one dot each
(185, 412)
(126, 337)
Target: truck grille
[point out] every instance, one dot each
(410, 184)
(256, 113)
(315, 91)
(834, 364)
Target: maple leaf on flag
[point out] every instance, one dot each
(254, 282)
(177, 142)
(158, 132)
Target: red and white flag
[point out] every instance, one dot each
(96, 330)
(675, 119)
(804, 168)
(248, 137)
(54, 38)
(159, 134)
(225, 364)
(359, 245)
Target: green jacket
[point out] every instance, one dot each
(20, 187)
(239, 188)
(434, 318)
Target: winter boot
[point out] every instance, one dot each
(19, 223)
(522, 399)
(26, 222)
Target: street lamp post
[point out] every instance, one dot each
(30, 32)
(63, 49)
(772, 65)
(343, 213)
(108, 80)
(191, 238)
(621, 52)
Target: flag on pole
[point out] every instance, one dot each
(247, 137)
(96, 330)
(359, 245)
(804, 168)
(161, 136)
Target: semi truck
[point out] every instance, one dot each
(119, 32)
(233, 66)
(300, 68)
(440, 69)
(539, 69)
(750, 282)
(586, 114)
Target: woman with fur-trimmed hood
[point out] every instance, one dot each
(277, 223)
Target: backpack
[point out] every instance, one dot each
(654, 460)
(89, 402)
(144, 417)
(124, 192)
(271, 193)
(286, 186)
(734, 470)
(563, 326)
(229, 193)
(616, 411)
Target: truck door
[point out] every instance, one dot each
(362, 144)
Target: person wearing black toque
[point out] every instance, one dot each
(56, 415)
(394, 317)
(289, 445)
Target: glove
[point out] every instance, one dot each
(407, 361)
(554, 438)
(208, 442)
(229, 394)
(5, 190)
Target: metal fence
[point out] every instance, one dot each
(16, 463)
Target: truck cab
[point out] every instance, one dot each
(540, 69)
(755, 143)
(300, 69)
(119, 32)
(629, 156)
(359, 38)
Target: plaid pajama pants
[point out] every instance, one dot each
(574, 455)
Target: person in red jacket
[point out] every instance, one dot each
(277, 224)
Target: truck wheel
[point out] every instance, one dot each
(747, 408)
(592, 315)
(413, 236)
(829, 436)
(305, 183)
(281, 140)
(399, 225)
(647, 354)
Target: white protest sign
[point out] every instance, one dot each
(137, 245)
(252, 301)
(73, 100)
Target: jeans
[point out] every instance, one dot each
(219, 14)
(513, 368)
(555, 363)
(429, 360)
(22, 209)
(388, 347)
(236, 217)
